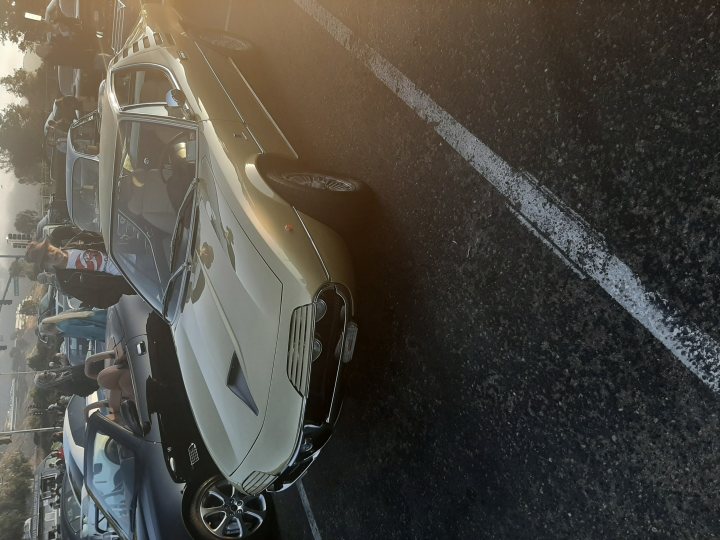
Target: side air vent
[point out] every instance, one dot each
(300, 348)
(193, 455)
(238, 384)
(257, 482)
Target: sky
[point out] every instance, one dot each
(13, 198)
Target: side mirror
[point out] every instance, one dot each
(131, 417)
(175, 98)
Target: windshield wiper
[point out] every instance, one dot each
(179, 223)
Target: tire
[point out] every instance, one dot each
(217, 499)
(226, 42)
(335, 200)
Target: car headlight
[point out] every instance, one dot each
(321, 335)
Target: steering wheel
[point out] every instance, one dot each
(112, 451)
(166, 160)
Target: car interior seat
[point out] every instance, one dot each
(150, 200)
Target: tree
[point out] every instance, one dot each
(15, 27)
(21, 268)
(21, 129)
(22, 124)
(14, 493)
(30, 85)
(28, 307)
(37, 361)
(16, 354)
(11, 524)
(26, 221)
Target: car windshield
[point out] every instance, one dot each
(71, 506)
(84, 196)
(111, 480)
(155, 167)
(84, 135)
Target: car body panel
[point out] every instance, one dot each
(213, 333)
(213, 84)
(158, 501)
(164, 466)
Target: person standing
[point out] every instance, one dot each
(82, 270)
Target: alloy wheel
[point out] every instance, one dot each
(322, 182)
(227, 513)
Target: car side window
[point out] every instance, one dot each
(141, 86)
(111, 479)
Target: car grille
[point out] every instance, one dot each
(300, 348)
(257, 482)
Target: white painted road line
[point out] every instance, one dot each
(542, 212)
(227, 15)
(308, 511)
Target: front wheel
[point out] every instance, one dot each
(218, 511)
(335, 200)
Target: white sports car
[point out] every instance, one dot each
(211, 216)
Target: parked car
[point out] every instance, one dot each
(63, 113)
(209, 213)
(80, 518)
(55, 216)
(57, 159)
(82, 170)
(145, 465)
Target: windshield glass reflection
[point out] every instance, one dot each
(111, 480)
(155, 166)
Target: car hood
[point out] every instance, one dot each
(226, 336)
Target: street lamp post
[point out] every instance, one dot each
(7, 286)
(33, 430)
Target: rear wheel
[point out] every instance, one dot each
(225, 41)
(218, 511)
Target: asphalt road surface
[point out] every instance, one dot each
(539, 278)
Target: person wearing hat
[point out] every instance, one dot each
(82, 270)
